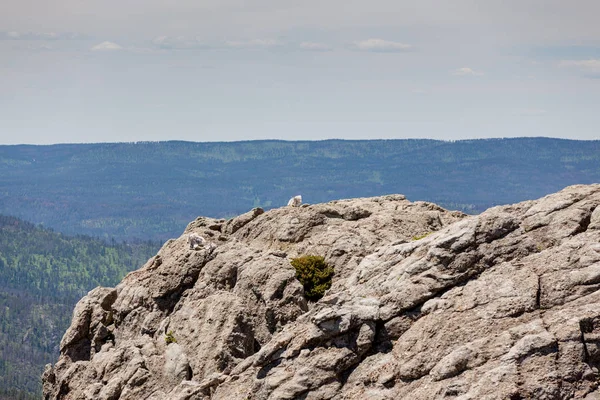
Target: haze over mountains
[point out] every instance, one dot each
(151, 190)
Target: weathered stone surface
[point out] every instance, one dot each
(234, 224)
(425, 304)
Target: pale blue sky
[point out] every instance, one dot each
(91, 71)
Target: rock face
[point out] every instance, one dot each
(503, 305)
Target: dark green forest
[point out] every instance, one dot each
(42, 275)
(151, 190)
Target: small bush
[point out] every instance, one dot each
(314, 274)
(169, 338)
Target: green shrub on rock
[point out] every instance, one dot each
(169, 338)
(314, 274)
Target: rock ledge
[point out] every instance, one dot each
(425, 304)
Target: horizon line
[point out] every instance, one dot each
(303, 141)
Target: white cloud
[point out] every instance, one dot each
(590, 64)
(590, 68)
(42, 47)
(33, 47)
(312, 46)
(255, 43)
(14, 35)
(183, 42)
(106, 46)
(465, 71)
(179, 42)
(382, 46)
(162, 41)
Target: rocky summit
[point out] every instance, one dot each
(425, 303)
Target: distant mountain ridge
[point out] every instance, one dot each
(152, 189)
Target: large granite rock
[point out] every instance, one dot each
(425, 304)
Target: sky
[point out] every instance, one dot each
(74, 71)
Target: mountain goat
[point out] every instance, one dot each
(295, 201)
(196, 241)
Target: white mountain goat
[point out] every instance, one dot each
(196, 241)
(295, 201)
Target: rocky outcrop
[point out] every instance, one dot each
(425, 304)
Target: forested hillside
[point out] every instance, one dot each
(153, 189)
(42, 275)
